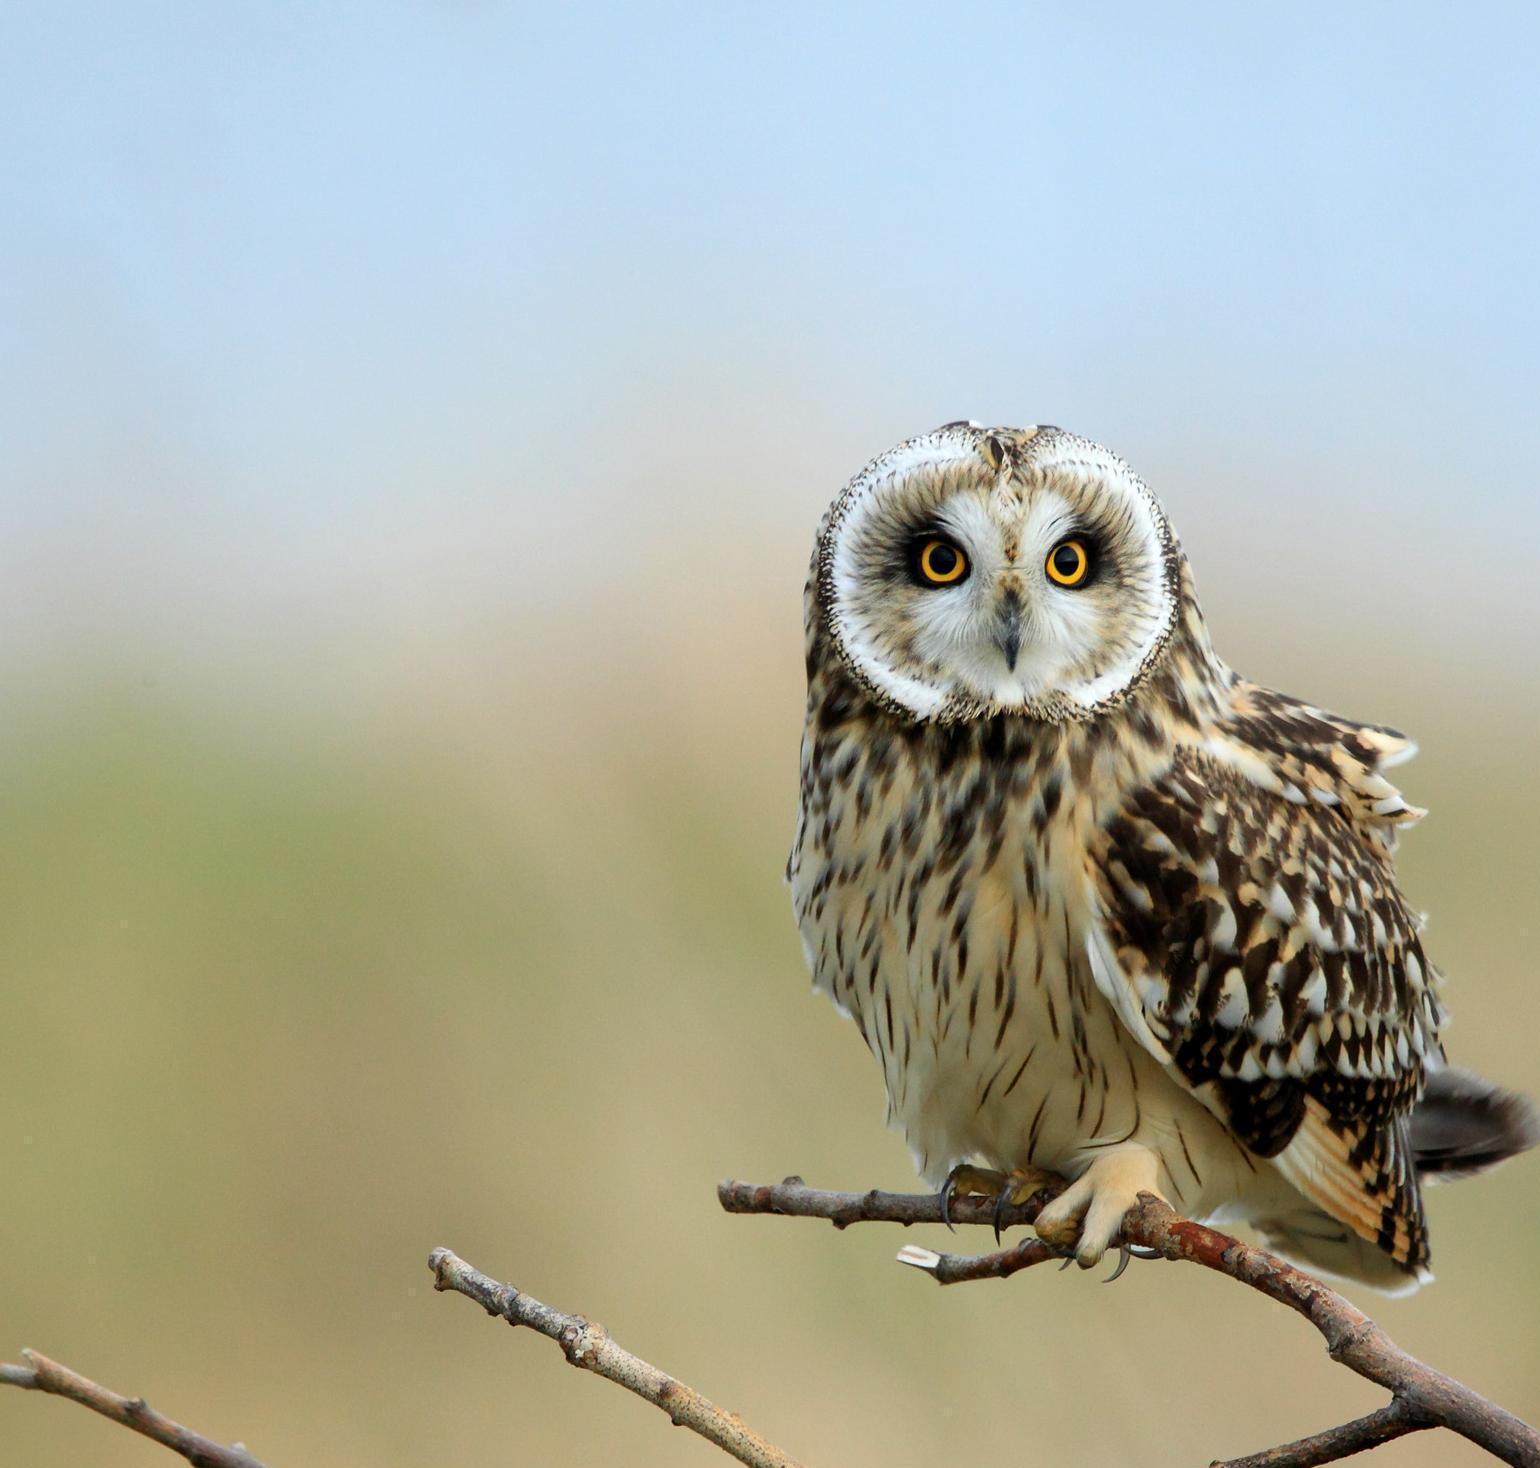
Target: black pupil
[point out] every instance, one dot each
(1066, 560)
(943, 560)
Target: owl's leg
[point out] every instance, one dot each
(1087, 1215)
(1008, 1189)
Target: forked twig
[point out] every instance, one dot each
(1420, 1396)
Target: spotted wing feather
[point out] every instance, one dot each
(1252, 933)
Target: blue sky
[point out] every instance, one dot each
(322, 296)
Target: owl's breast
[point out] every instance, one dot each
(939, 884)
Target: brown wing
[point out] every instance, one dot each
(1253, 934)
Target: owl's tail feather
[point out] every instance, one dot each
(1463, 1125)
(1319, 1242)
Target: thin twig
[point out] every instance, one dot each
(42, 1375)
(960, 1268)
(843, 1209)
(1420, 1396)
(1393, 1420)
(591, 1347)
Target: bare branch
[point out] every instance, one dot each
(1393, 1420)
(42, 1375)
(843, 1209)
(591, 1347)
(1420, 1396)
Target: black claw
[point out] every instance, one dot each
(1002, 1202)
(948, 1190)
(1124, 1255)
(1068, 1260)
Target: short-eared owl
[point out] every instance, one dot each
(1099, 905)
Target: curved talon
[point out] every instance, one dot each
(1131, 1251)
(948, 1192)
(1002, 1202)
(1068, 1260)
(1124, 1255)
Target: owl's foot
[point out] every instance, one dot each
(1087, 1215)
(1008, 1189)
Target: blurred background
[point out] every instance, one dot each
(415, 422)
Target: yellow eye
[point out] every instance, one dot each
(1068, 563)
(942, 564)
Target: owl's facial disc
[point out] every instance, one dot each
(972, 572)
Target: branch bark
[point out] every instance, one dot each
(42, 1375)
(1393, 1420)
(588, 1345)
(1420, 1396)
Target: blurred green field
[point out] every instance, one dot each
(500, 958)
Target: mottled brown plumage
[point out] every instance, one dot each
(1096, 903)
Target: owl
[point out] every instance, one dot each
(1098, 905)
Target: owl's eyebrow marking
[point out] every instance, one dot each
(932, 527)
(1062, 525)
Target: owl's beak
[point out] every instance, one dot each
(1008, 628)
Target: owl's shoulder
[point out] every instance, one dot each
(1314, 759)
(1273, 823)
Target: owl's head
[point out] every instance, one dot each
(976, 571)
